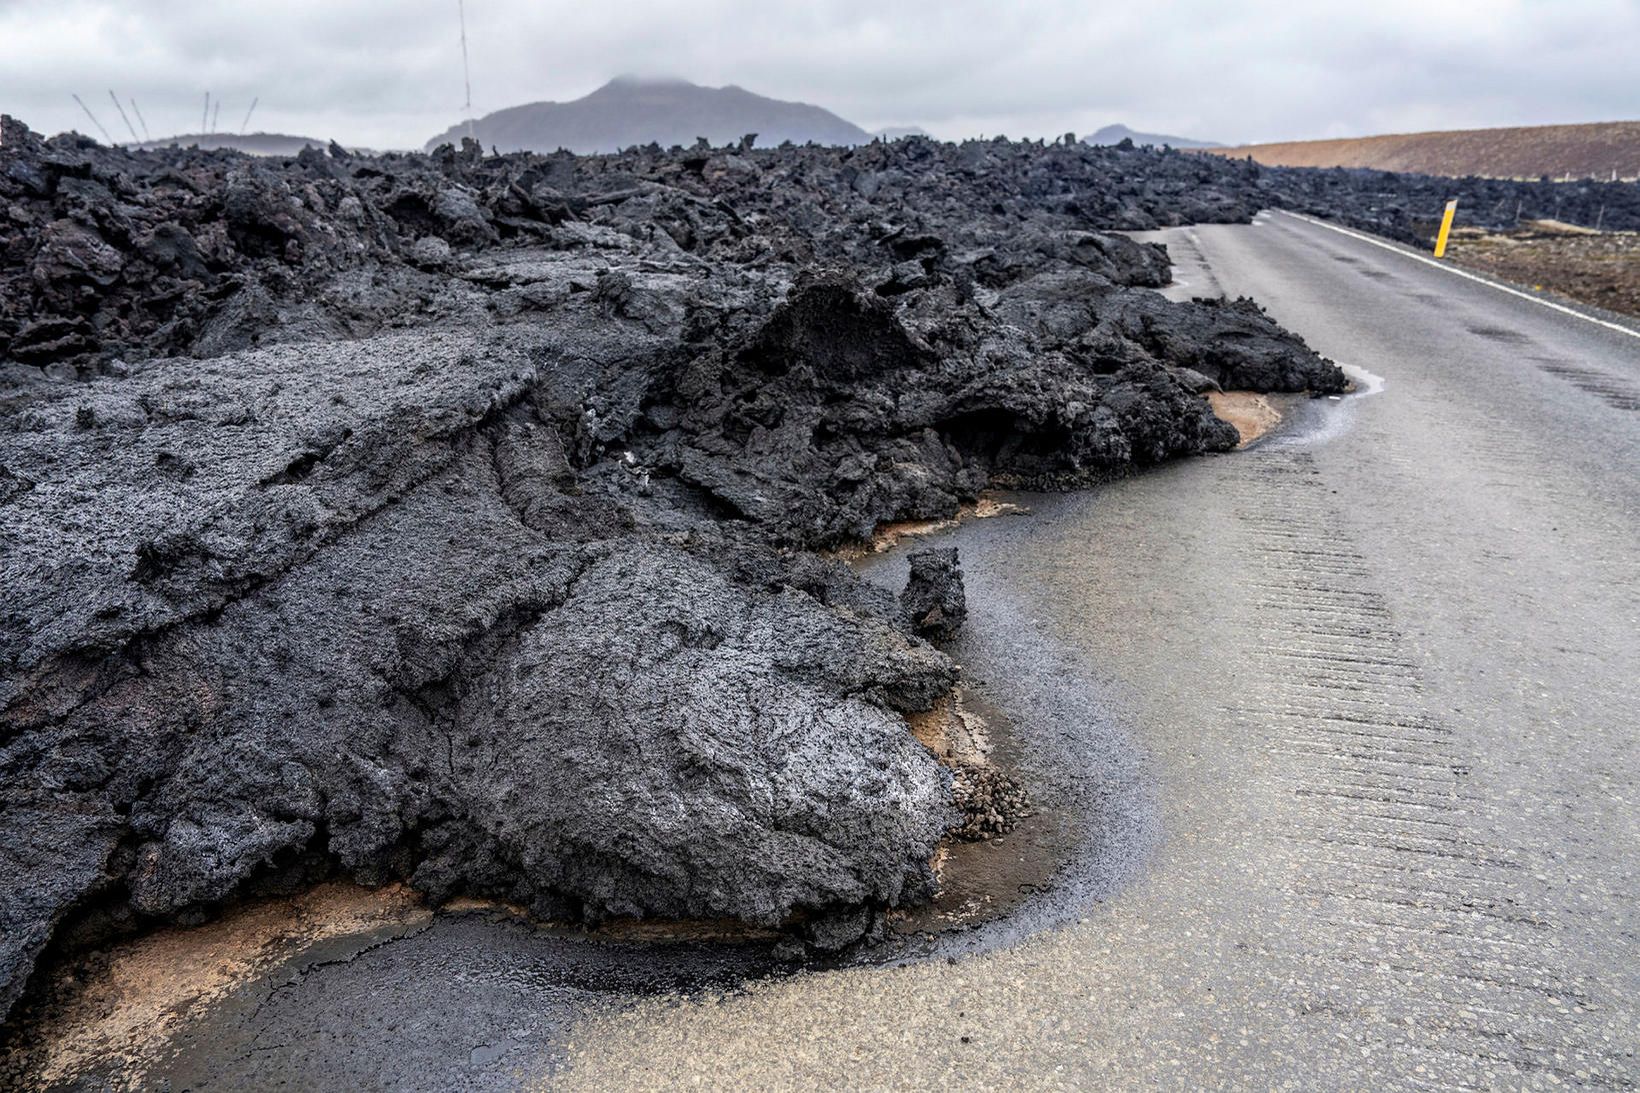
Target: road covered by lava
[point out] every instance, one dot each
(473, 523)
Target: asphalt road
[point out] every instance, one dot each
(1386, 672)
(1353, 715)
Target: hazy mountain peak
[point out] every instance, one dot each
(631, 110)
(1115, 134)
(630, 80)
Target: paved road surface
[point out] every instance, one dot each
(1389, 681)
(1360, 705)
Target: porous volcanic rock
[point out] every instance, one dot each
(455, 518)
(934, 601)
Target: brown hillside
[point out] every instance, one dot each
(1593, 150)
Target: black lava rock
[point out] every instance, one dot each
(933, 601)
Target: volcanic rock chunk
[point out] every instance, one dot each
(389, 631)
(667, 743)
(933, 601)
(1233, 343)
(838, 415)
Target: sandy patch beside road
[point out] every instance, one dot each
(1599, 268)
(1251, 413)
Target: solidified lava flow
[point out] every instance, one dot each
(457, 518)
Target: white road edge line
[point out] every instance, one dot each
(1404, 253)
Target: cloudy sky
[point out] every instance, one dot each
(387, 73)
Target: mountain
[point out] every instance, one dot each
(1115, 134)
(630, 110)
(256, 144)
(1603, 150)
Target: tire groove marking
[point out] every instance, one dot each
(1383, 831)
(1424, 905)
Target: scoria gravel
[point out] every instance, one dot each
(459, 518)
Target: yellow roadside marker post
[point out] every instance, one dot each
(1446, 228)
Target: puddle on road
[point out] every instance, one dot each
(1323, 420)
(1292, 418)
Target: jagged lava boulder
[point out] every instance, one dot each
(934, 600)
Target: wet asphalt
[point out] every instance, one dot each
(1348, 721)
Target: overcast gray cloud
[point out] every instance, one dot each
(388, 75)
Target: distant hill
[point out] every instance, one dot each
(1115, 134)
(629, 111)
(1593, 150)
(256, 144)
(900, 132)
